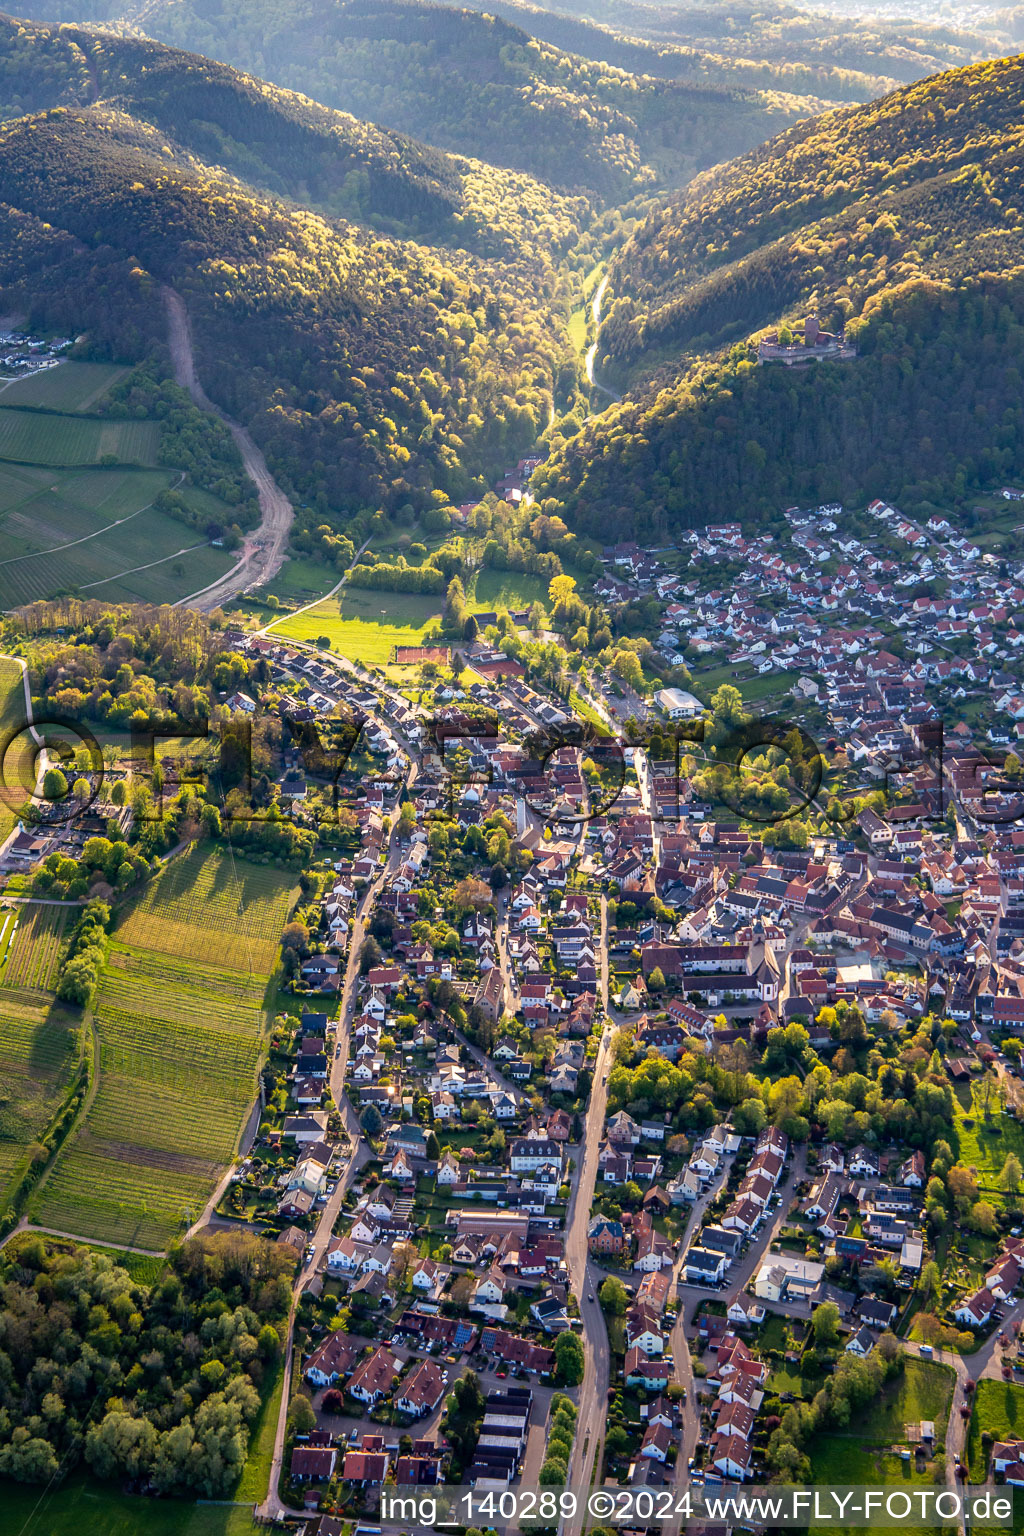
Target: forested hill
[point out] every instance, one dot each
(372, 372)
(644, 41)
(283, 142)
(806, 47)
(925, 181)
(902, 221)
(476, 85)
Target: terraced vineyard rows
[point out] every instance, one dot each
(34, 953)
(181, 1028)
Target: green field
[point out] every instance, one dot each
(985, 1144)
(37, 1052)
(367, 626)
(69, 387)
(17, 754)
(95, 530)
(47, 437)
(861, 1452)
(30, 945)
(998, 1410)
(507, 589)
(181, 1027)
(83, 1507)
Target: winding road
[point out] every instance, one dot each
(265, 549)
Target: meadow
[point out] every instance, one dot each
(37, 1054)
(506, 589)
(861, 1454)
(30, 948)
(16, 750)
(97, 530)
(985, 1144)
(49, 437)
(181, 1027)
(70, 386)
(997, 1411)
(364, 626)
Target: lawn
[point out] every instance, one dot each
(37, 1055)
(509, 589)
(83, 1507)
(366, 626)
(182, 1028)
(48, 437)
(69, 387)
(998, 1410)
(859, 1454)
(984, 1145)
(96, 530)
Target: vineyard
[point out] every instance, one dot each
(213, 910)
(17, 758)
(37, 1049)
(44, 437)
(97, 530)
(32, 953)
(181, 1028)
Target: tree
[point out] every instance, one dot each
(656, 980)
(962, 1186)
(1012, 1173)
(369, 954)
(983, 1218)
(55, 784)
(825, 1325)
(569, 1360)
(930, 1281)
(749, 1118)
(301, 1415)
(614, 1297)
(371, 1122)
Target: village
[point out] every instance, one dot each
(595, 1097)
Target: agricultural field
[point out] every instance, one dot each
(70, 386)
(31, 937)
(37, 1055)
(48, 437)
(96, 530)
(211, 909)
(181, 1026)
(16, 751)
(364, 626)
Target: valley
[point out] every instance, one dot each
(512, 903)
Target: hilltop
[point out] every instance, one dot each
(898, 221)
(412, 369)
(476, 85)
(282, 142)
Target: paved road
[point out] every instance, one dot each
(360, 1154)
(585, 1277)
(265, 550)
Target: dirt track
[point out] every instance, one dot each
(264, 550)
